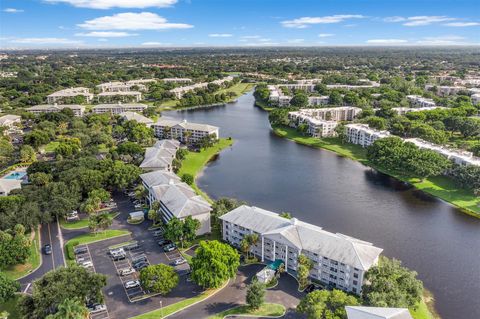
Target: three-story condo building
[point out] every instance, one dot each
(338, 260)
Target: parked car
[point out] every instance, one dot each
(131, 246)
(126, 271)
(97, 308)
(117, 251)
(118, 257)
(158, 233)
(312, 287)
(80, 250)
(86, 264)
(140, 266)
(162, 242)
(132, 284)
(169, 247)
(179, 261)
(80, 260)
(141, 258)
(47, 249)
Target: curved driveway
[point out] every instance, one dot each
(233, 295)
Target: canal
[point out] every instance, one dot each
(341, 195)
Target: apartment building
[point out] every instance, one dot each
(362, 134)
(124, 95)
(475, 98)
(134, 116)
(119, 108)
(445, 90)
(318, 100)
(176, 199)
(78, 110)
(458, 157)
(180, 91)
(68, 93)
(368, 85)
(8, 185)
(277, 97)
(9, 120)
(183, 131)
(160, 156)
(419, 101)
(405, 110)
(339, 261)
(177, 80)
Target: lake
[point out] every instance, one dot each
(317, 186)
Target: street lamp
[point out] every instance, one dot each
(161, 308)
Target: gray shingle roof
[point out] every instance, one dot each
(160, 155)
(130, 116)
(158, 177)
(301, 235)
(377, 313)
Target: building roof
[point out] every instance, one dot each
(354, 312)
(180, 199)
(7, 185)
(134, 116)
(119, 105)
(47, 107)
(9, 119)
(119, 93)
(304, 236)
(158, 177)
(72, 92)
(160, 155)
(185, 125)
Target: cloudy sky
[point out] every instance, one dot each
(172, 23)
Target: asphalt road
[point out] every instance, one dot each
(49, 234)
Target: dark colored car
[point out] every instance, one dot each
(47, 249)
(140, 266)
(169, 247)
(80, 250)
(139, 259)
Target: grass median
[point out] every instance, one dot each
(81, 223)
(266, 310)
(438, 186)
(91, 238)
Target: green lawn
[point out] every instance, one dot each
(268, 309)
(91, 238)
(33, 260)
(10, 306)
(51, 147)
(168, 310)
(79, 224)
(169, 103)
(439, 186)
(238, 89)
(421, 312)
(194, 162)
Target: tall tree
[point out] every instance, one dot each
(214, 263)
(70, 309)
(159, 278)
(255, 294)
(324, 304)
(8, 287)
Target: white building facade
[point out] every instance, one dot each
(119, 108)
(183, 131)
(362, 134)
(339, 261)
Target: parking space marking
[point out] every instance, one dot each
(88, 257)
(172, 255)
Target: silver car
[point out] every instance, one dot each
(132, 284)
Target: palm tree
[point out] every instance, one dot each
(245, 246)
(252, 239)
(186, 137)
(104, 221)
(167, 132)
(71, 309)
(93, 223)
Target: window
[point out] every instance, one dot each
(355, 282)
(354, 290)
(355, 275)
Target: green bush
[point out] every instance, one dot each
(69, 248)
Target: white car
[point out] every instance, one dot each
(86, 264)
(179, 261)
(132, 284)
(126, 271)
(97, 308)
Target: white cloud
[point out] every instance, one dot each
(325, 35)
(220, 35)
(41, 41)
(155, 44)
(444, 40)
(105, 34)
(296, 41)
(304, 22)
(462, 24)
(251, 37)
(417, 21)
(108, 4)
(12, 10)
(132, 21)
(386, 41)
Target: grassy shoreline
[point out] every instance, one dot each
(195, 162)
(439, 186)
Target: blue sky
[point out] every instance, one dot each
(157, 23)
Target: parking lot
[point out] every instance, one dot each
(85, 260)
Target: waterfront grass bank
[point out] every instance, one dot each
(438, 186)
(194, 162)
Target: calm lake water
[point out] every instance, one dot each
(341, 195)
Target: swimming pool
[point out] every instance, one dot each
(15, 175)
